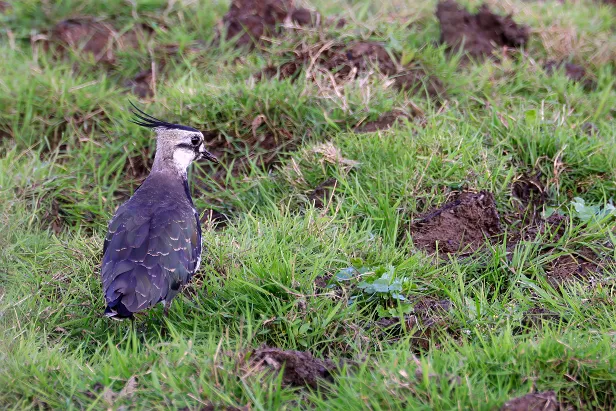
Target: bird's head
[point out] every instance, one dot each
(176, 145)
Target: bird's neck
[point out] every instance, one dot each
(166, 163)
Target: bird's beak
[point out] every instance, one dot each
(206, 155)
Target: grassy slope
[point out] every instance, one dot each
(67, 154)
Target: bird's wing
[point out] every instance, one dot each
(149, 255)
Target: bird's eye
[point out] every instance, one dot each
(195, 140)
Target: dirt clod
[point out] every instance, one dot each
(347, 61)
(287, 70)
(142, 84)
(322, 192)
(572, 71)
(478, 34)
(322, 281)
(461, 225)
(536, 316)
(429, 317)
(530, 194)
(545, 401)
(214, 219)
(590, 129)
(304, 17)
(138, 167)
(384, 122)
(91, 37)
(360, 56)
(414, 79)
(94, 391)
(251, 20)
(568, 267)
(529, 230)
(300, 368)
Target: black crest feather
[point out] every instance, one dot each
(145, 120)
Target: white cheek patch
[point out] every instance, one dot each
(182, 158)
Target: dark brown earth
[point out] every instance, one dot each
(264, 143)
(214, 219)
(461, 225)
(384, 122)
(590, 128)
(142, 84)
(536, 316)
(530, 194)
(322, 192)
(529, 190)
(553, 227)
(347, 61)
(287, 70)
(305, 17)
(572, 71)
(252, 20)
(300, 368)
(415, 79)
(544, 401)
(52, 217)
(138, 167)
(580, 265)
(430, 316)
(478, 34)
(95, 38)
(322, 281)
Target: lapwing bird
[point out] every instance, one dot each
(153, 244)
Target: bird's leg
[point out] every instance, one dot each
(166, 309)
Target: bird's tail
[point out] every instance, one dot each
(117, 311)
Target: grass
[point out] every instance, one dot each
(70, 157)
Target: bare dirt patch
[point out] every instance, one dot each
(214, 219)
(264, 144)
(347, 61)
(579, 265)
(530, 194)
(461, 225)
(321, 194)
(250, 21)
(536, 316)
(589, 128)
(142, 84)
(287, 70)
(479, 35)
(524, 229)
(545, 401)
(384, 122)
(90, 37)
(138, 167)
(322, 281)
(300, 368)
(430, 317)
(573, 72)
